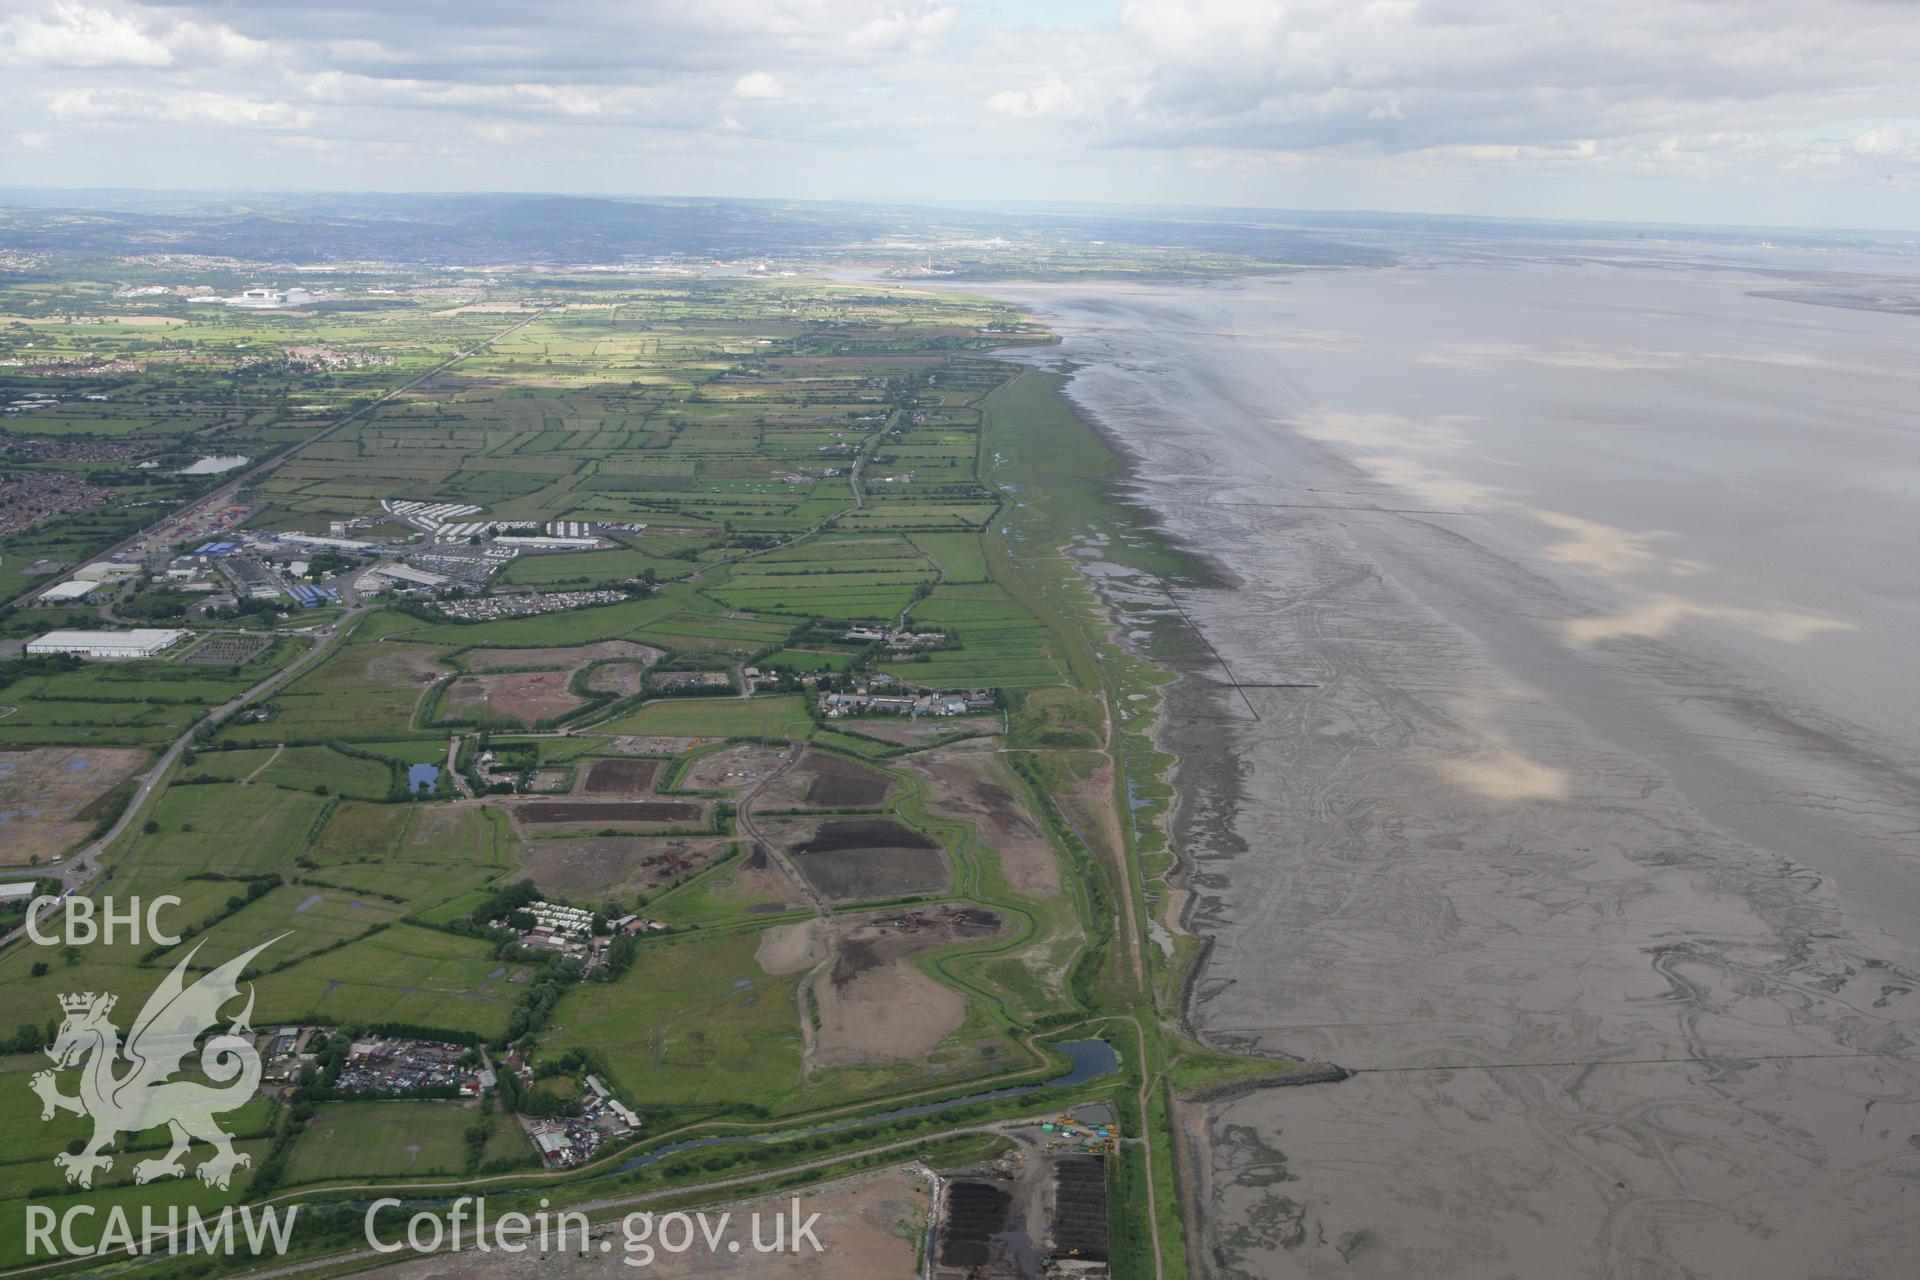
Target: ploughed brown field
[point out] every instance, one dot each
(620, 777)
(843, 784)
(854, 858)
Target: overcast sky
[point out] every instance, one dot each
(1749, 111)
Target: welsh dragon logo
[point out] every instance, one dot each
(127, 1089)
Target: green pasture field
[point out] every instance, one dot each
(695, 1020)
(303, 920)
(142, 702)
(405, 974)
(29, 1164)
(548, 630)
(355, 832)
(959, 555)
(576, 568)
(224, 828)
(810, 659)
(398, 1139)
(296, 769)
(716, 895)
(422, 886)
(775, 717)
(89, 1228)
(463, 835)
(366, 687)
(416, 750)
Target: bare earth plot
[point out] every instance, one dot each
(524, 696)
(641, 745)
(622, 678)
(50, 796)
(824, 781)
(614, 864)
(757, 879)
(875, 1005)
(619, 777)
(652, 813)
(848, 859)
(731, 769)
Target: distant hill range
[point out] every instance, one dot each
(481, 229)
(968, 240)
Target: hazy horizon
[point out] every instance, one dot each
(1003, 207)
(1766, 114)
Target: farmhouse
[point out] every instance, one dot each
(142, 642)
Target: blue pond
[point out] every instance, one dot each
(422, 775)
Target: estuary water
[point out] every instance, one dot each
(1553, 761)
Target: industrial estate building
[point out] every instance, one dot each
(143, 642)
(66, 592)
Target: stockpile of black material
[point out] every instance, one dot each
(1080, 1207)
(976, 1212)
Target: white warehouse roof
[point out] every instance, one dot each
(68, 590)
(139, 642)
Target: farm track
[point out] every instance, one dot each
(264, 764)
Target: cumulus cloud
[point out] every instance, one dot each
(1053, 98)
(1626, 84)
(1253, 96)
(758, 84)
(76, 35)
(184, 106)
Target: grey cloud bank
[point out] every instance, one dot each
(1759, 112)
